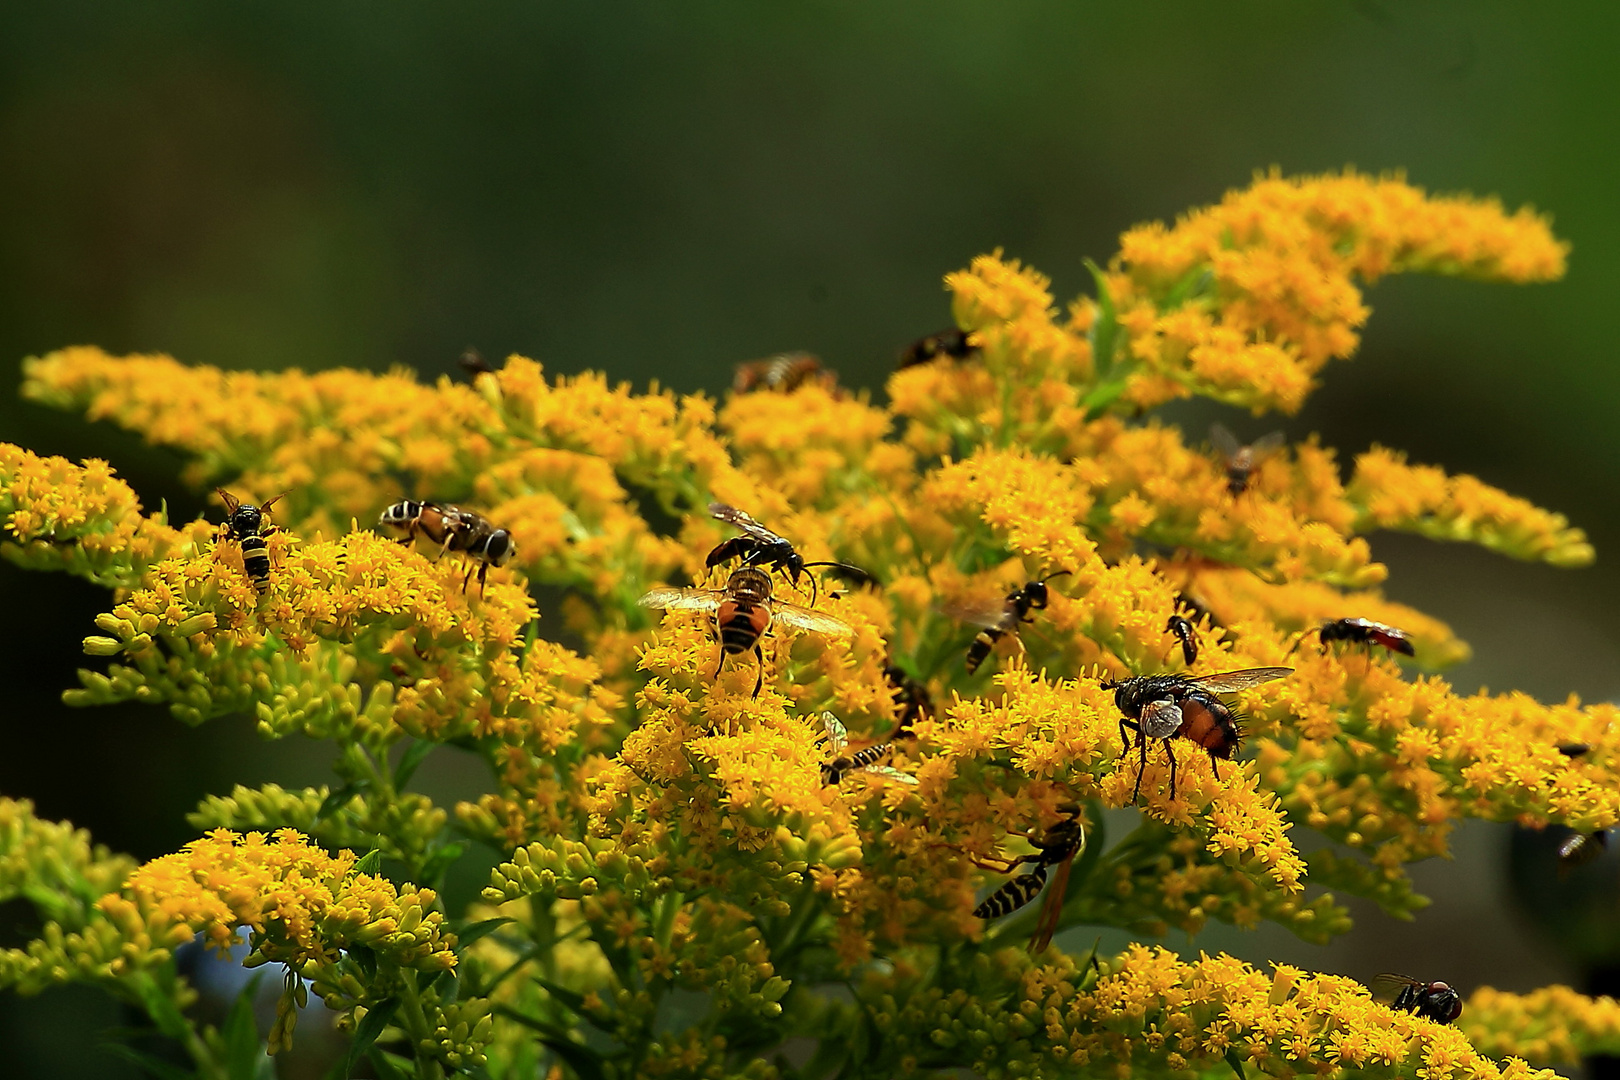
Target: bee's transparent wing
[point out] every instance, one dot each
(1224, 442)
(837, 734)
(1228, 682)
(813, 621)
(681, 599)
(978, 611)
(889, 772)
(1266, 444)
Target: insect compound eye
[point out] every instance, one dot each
(500, 547)
(1160, 719)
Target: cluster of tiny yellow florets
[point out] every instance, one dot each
(659, 825)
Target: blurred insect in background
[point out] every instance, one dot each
(1431, 1000)
(1580, 848)
(1359, 632)
(742, 612)
(453, 529)
(473, 363)
(1182, 628)
(952, 343)
(1057, 847)
(864, 760)
(1166, 706)
(1000, 617)
(247, 525)
(1574, 749)
(1240, 460)
(782, 373)
(912, 700)
(758, 546)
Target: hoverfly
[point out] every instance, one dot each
(453, 529)
(782, 373)
(912, 700)
(1578, 849)
(953, 343)
(1182, 628)
(1165, 706)
(1001, 617)
(1431, 1000)
(863, 760)
(1241, 460)
(758, 546)
(743, 611)
(1360, 632)
(1057, 847)
(246, 524)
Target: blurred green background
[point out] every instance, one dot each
(662, 195)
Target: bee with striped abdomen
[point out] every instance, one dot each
(952, 343)
(247, 525)
(1240, 460)
(743, 611)
(1057, 847)
(759, 546)
(1001, 617)
(782, 373)
(1166, 706)
(453, 529)
(863, 760)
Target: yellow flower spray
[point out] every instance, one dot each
(694, 880)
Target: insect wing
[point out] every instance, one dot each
(231, 501)
(1266, 444)
(733, 516)
(813, 621)
(682, 599)
(837, 734)
(889, 772)
(1052, 907)
(264, 508)
(1388, 986)
(1224, 442)
(1229, 682)
(992, 614)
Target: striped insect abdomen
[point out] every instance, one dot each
(741, 625)
(1012, 895)
(980, 649)
(256, 561)
(1209, 723)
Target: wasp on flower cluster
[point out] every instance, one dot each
(1240, 460)
(864, 760)
(1000, 617)
(758, 546)
(743, 611)
(953, 343)
(453, 529)
(1167, 706)
(782, 373)
(1057, 847)
(1359, 632)
(1431, 1000)
(247, 525)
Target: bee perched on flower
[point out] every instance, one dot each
(648, 829)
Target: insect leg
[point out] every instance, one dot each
(759, 664)
(1142, 743)
(1125, 735)
(1214, 764)
(1171, 754)
(721, 665)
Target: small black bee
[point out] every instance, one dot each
(1360, 632)
(911, 698)
(1182, 628)
(1056, 847)
(1001, 617)
(758, 546)
(246, 524)
(1433, 1000)
(953, 343)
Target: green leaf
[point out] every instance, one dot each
(585, 1062)
(1237, 1064)
(567, 998)
(243, 1047)
(409, 762)
(338, 799)
(146, 1062)
(1193, 284)
(1105, 330)
(370, 863)
(473, 931)
(365, 958)
(366, 1032)
(389, 1066)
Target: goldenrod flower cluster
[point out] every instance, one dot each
(681, 871)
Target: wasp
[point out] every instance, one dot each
(912, 700)
(1002, 617)
(863, 760)
(1165, 706)
(1241, 460)
(1431, 1000)
(1057, 847)
(453, 529)
(953, 343)
(1182, 628)
(758, 546)
(1360, 632)
(743, 611)
(246, 524)
(782, 373)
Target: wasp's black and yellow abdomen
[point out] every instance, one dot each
(256, 561)
(1012, 895)
(979, 651)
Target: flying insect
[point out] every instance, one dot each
(1360, 632)
(1240, 460)
(759, 546)
(864, 760)
(1001, 617)
(953, 343)
(782, 373)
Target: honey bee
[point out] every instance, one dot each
(911, 699)
(758, 546)
(1431, 1000)
(1578, 849)
(246, 524)
(1360, 632)
(1241, 460)
(453, 529)
(864, 760)
(743, 611)
(953, 343)
(1001, 617)
(782, 373)
(1057, 847)
(1182, 628)
(1167, 706)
